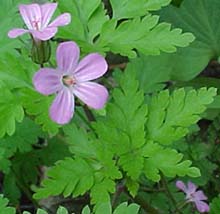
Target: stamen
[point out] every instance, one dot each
(36, 24)
(68, 80)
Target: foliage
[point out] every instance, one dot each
(160, 123)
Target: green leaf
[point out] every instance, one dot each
(124, 208)
(86, 210)
(149, 82)
(167, 161)
(9, 19)
(149, 37)
(40, 211)
(171, 115)
(62, 210)
(38, 106)
(10, 188)
(215, 206)
(133, 8)
(88, 16)
(100, 157)
(190, 61)
(4, 208)
(104, 208)
(126, 124)
(10, 111)
(26, 135)
(69, 176)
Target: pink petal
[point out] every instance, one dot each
(30, 13)
(199, 195)
(92, 94)
(47, 81)
(62, 108)
(180, 185)
(91, 67)
(202, 206)
(67, 56)
(47, 11)
(16, 32)
(61, 20)
(191, 188)
(45, 34)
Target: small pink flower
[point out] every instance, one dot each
(194, 196)
(72, 78)
(37, 18)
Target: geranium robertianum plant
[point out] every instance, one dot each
(95, 116)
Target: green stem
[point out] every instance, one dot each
(84, 119)
(89, 114)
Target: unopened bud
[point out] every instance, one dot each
(41, 51)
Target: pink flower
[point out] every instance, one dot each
(37, 18)
(194, 196)
(72, 78)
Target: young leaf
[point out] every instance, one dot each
(4, 208)
(38, 106)
(10, 111)
(171, 115)
(133, 8)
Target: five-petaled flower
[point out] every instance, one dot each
(72, 78)
(37, 18)
(194, 196)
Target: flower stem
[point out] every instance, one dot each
(89, 114)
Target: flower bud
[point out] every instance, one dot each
(41, 51)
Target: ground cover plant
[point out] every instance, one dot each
(109, 107)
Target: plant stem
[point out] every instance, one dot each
(84, 119)
(89, 114)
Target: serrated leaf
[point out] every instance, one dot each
(149, 37)
(10, 111)
(171, 115)
(167, 161)
(38, 106)
(88, 16)
(100, 192)
(4, 208)
(26, 135)
(133, 8)
(190, 61)
(126, 124)
(16, 70)
(69, 176)
(10, 188)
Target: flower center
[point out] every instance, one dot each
(68, 81)
(36, 24)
